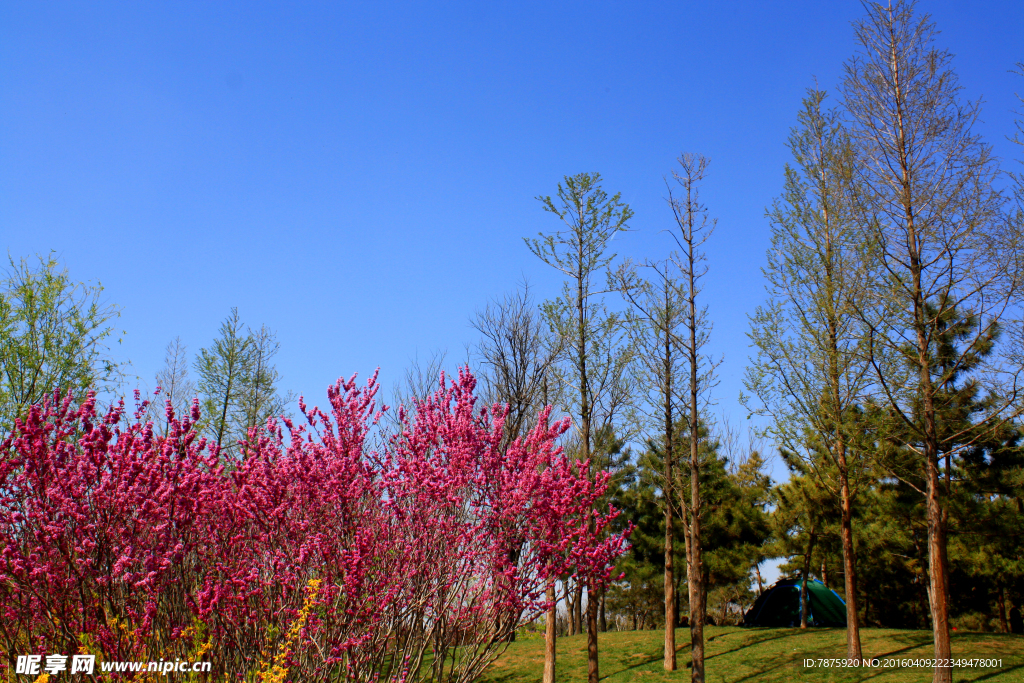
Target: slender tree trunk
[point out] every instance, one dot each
(938, 568)
(803, 583)
(689, 564)
(938, 573)
(696, 579)
(670, 588)
(572, 601)
(592, 608)
(853, 649)
(568, 609)
(760, 582)
(224, 410)
(592, 663)
(938, 578)
(577, 607)
(550, 635)
(838, 417)
(602, 620)
(1004, 627)
(670, 595)
(696, 575)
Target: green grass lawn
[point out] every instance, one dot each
(758, 654)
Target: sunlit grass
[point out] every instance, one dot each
(736, 654)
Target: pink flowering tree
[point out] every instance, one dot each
(332, 551)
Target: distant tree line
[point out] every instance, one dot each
(54, 335)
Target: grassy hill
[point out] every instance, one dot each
(736, 654)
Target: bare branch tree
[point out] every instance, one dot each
(516, 350)
(695, 227)
(175, 385)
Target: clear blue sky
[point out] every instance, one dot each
(359, 176)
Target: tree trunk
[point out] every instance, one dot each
(577, 607)
(550, 635)
(592, 669)
(1004, 627)
(602, 619)
(670, 587)
(670, 594)
(697, 610)
(695, 578)
(938, 574)
(803, 582)
(853, 649)
(592, 664)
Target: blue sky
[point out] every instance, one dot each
(359, 176)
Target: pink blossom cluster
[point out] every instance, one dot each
(344, 551)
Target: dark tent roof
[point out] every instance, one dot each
(780, 606)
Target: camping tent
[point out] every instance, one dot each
(780, 606)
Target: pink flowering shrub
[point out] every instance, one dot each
(332, 549)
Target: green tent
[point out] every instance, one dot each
(780, 606)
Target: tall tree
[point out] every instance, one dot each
(590, 220)
(221, 369)
(53, 335)
(734, 526)
(656, 327)
(238, 381)
(694, 229)
(811, 369)
(942, 242)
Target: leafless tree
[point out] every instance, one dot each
(516, 351)
(175, 385)
(260, 398)
(421, 379)
(695, 227)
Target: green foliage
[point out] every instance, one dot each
(592, 376)
(735, 530)
(53, 335)
(238, 381)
